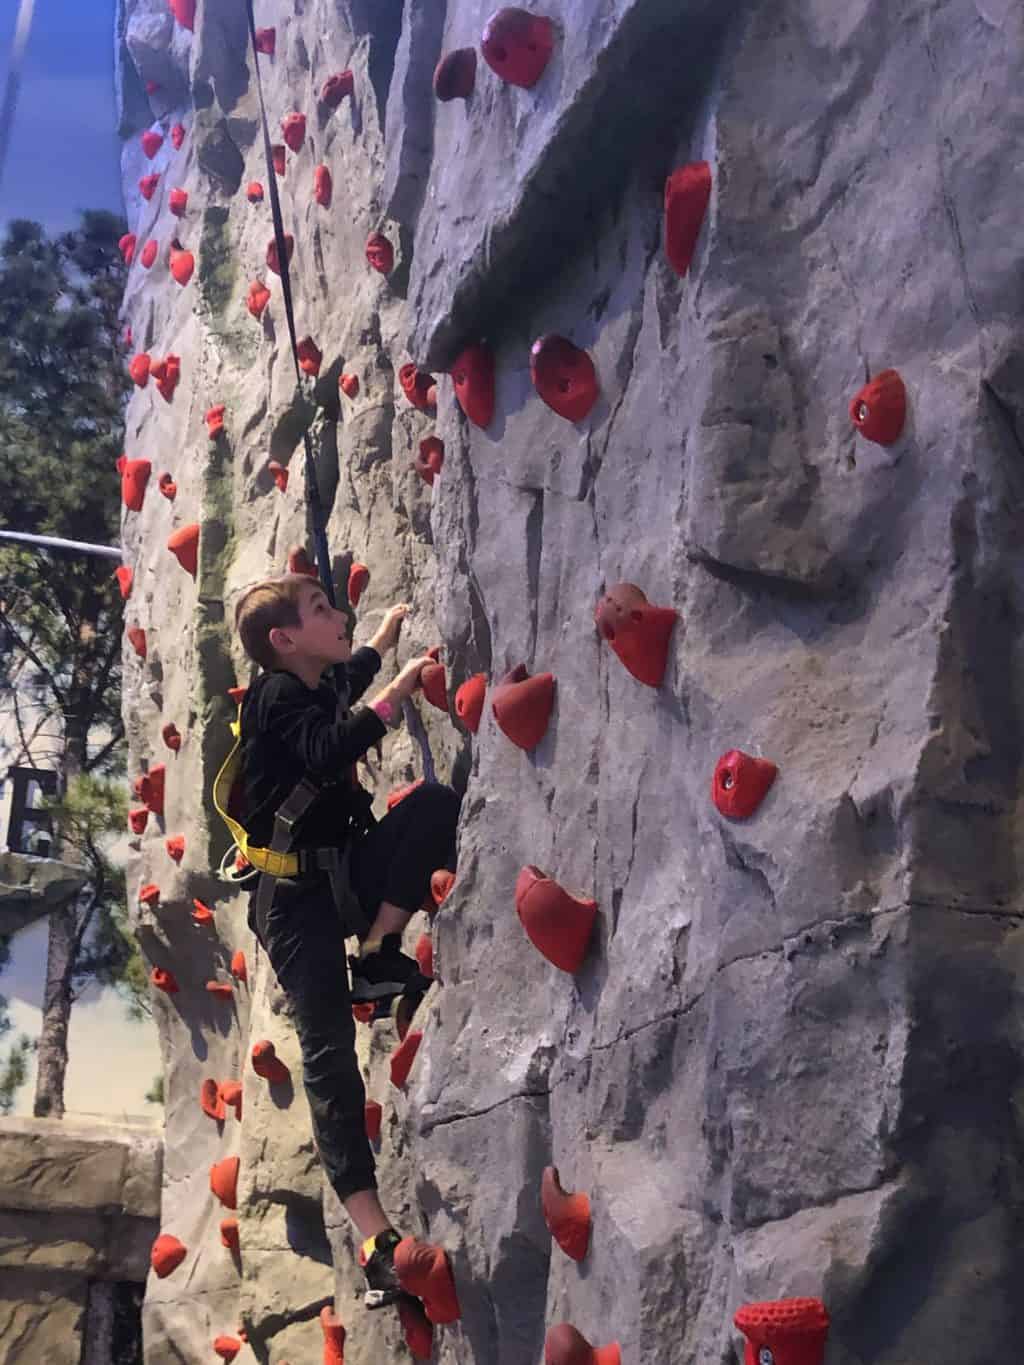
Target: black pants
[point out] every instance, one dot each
(302, 936)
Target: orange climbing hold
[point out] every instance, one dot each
(184, 11)
(687, 195)
(258, 298)
(293, 130)
(469, 701)
(211, 1101)
(148, 254)
(266, 1063)
(358, 578)
(125, 576)
(177, 136)
(166, 372)
(126, 246)
(183, 263)
(280, 474)
(455, 75)
(150, 895)
(403, 1057)
(214, 420)
(138, 819)
(473, 377)
(425, 956)
(740, 783)
(434, 685)
(879, 410)
(177, 202)
(254, 192)
(334, 1336)
(222, 989)
(415, 385)
(558, 924)
(227, 1347)
(336, 88)
(231, 1094)
(202, 914)
(300, 562)
(175, 846)
(166, 1255)
(149, 788)
(372, 1115)
(400, 793)
(229, 1233)
(224, 1181)
(430, 460)
(522, 706)
(417, 1327)
(273, 263)
(323, 186)
(238, 968)
(567, 1215)
(637, 631)
(564, 377)
(278, 158)
(152, 141)
(380, 253)
(134, 478)
(237, 693)
(424, 1270)
(171, 737)
(441, 883)
(784, 1332)
(363, 1014)
(138, 368)
(164, 981)
(563, 1345)
(184, 545)
(266, 41)
(310, 356)
(517, 46)
(349, 385)
(137, 639)
(148, 184)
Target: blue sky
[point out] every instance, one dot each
(64, 153)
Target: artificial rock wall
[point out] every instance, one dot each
(791, 1063)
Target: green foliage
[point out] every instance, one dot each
(14, 1072)
(155, 1093)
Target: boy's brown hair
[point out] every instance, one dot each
(264, 606)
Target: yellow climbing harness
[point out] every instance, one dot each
(264, 859)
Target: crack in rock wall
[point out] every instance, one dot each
(790, 1063)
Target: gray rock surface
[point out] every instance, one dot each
(790, 1063)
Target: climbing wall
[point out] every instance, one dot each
(721, 306)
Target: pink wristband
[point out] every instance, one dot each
(384, 710)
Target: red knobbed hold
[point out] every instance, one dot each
(231, 1094)
(152, 141)
(238, 968)
(334, 1336)
(403, 1057)
(184, 545)
(423, 1270)
(214, 420)
(177, 136)
(310, 356)
(167, 487)
(430, 460)
(166, 373)
(164, 981)
(222, 989)
(879, 410)
(558, 924)
(425, 956)
(469, 701)
(183, 263)
(201, 914)
(211, 1101)
(441, 883)
(293, 130)
(137, 640)
(517, 45)
(473, 377)
(372, 1115)
(124, 576)
(522, 706)
(567, 1215)
(273, 263)
(637, 631)
(171, 737)
(138, 819)
(434, 685)
(300, 562)
(258, 298)
(400, 793)
(184, 11)
(358, 577)
(418, 1330)
(741, 783)
(266, 1063)
(266, 41)
(227, 1347)
(415, 385)
(323, 186)
(166, 1255)
(149, 788)
(148, 254)
(278, 158)
(150, 895)
(126, 246)
(254, 192)
(148, 184)
(687, 195)
(784, 1332)
(229, 1233)
(380, 253)
(363, 1014)
(177, 202)
(138, 368)
(224, 1181)
(134, 478)
(279, 474)
(349, 385)
(455, 75)
(237, 694)
(175, 846)
(336, 88)
(564, 376)
(563, 1345)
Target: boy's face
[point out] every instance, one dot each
(322, 633)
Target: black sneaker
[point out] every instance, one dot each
(383, 974)
(404, 1006)
(382, 1285)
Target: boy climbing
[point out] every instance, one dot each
(299, 744)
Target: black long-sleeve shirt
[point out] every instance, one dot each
(289, 732)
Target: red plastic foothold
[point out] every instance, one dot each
(214, 420)
(637, 631)
(293, 130)
(400, 793)
(425, 956)
(177, 202)
(202, 914)
(137, 640)
(184, 545)
(171, 737)
(185, 12)
(563, 1345)
(211, 1101)
(272, 259)
(152, 141)
(469, 701)
(441, 883)
(434, 685)
(363, 1014)
(125, 576)
(254, 192)
(424, 1270)
(567, 1215)
(784, 1332)
(224, 1181)
(266, 41)
(150, 895)
(229, 1233)
(415, 385)
(372, 1114)
(148, 254)
(687, 195)
(238, 968)
(166, 1255)
(138, 818)
(164, 981)
(134, 477)
(403, 1057)
(148, 184)
(879, 410)
(177, 136)
(237, 693)
(183, 263)
(358, 577)
(167, 487)
(222, 989)
(430, 460)
(473, 377)
(300, 562)
(741, 783)
(175, 846)
(323, 186)
(349, 385)
(280, 475)
(455, 75)
(258, 298)
(380, 253)
(558, 924)
(522, 706)
(310, 356)
(336, 88)
(334, 1336)
(166, 372)
(227, 1347)
(564, 376)
(278, 158)
(138, 368)
(231, 1093)
(418, 1329)
(149, 788)
(126, 246)
(517, 46)
(266, 1063)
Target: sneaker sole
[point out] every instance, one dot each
(378, 990)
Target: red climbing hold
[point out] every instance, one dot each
(236, 694)
(148, 184)
(380, 253)
(349, 385)
(469, 701)
(215, 421)
(517, 45)
(522, 706)
(184, 11)
(336, 88)
(138, 368)
(166, 1255)
(293, 130)
(687, 194)
(229, 1233)
(126, 246)
(403, 1057)
(266, 1063)
(211, 1101)
(258, 298)
(222, 989)
(434, 685)
(280, 474)
(177, 136)
(425, 956)
(564, 376)
(430, 460)
(559, 925)
(567, 1215)
(372, 1114)
(164, 981)
(231, 1093)
(334, 1336)
(441, 883)
(175, 846)
(415, 385)
(148, 254)
(637, 631)
(417, 1327)
(300, 562)
(138, 818)
(254, 192)
(167, 487)
(177, 202)
(473, 377)
(400, 793)
(423, 1270)
(278, 158)
(202, 914)
(266, 41)
(134, 477)
(227, 1347)
(741, 783)
(455, 75)
(149, 788)
(879, 410)
(184, 545)
(272, 259)
(183, 263)
(166, 373)
(124, 576)
(784, 1332)
(171, 737)
(238, 968)
(323, 186)
(137, 640)
(310, 356)
(358, 577)
(150, 895)
(363, 1014)
(152, 141)
(563, 1345)
(224, 1181)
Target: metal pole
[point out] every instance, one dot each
(21, 32)
(55, 543)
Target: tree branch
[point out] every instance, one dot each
(108, 748)
(57, 691)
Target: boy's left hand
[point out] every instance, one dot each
(388, 630)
